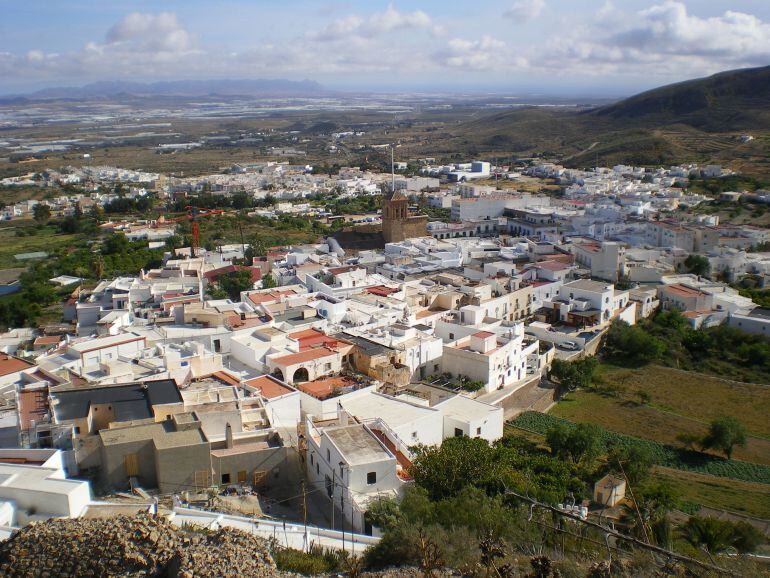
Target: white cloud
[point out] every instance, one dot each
(150, 33)
(663, 39)
(525, 10)
(375, 25)
(483, 54)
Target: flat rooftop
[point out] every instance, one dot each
(269, 387)
(588, 285)
(392, 411)
(357, 444)
(466, 409)
(130, 401)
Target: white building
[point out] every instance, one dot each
(34, 487)
(352, 467)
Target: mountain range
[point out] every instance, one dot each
(183, 88)
(698, 120)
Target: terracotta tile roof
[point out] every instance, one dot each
(552, 265)
(269, 387)
(260, 298)
(9, 364)
(324, 388)
(226, 377)
(214, 274)
(33, 406)
(381, 290)
(483, 334)
(311, 338)
(345, 269)
(683, 290)
(428, 312)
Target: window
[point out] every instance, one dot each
(168, 417)
(435, 367)
(341, 466)
(458, 432)
(225, 478)
(414, 435)
(217, 346)
(311, 460)
(371, 478)
(317, 469)
(451, 336)
(478, 431)
(77, 429)
(328, 455)
(242, 477)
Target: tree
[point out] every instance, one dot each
(459, 462)
(268, 282)
(574, 374)
(689, 440)
(632, 344)
(724, 434)
(632, 461)
(41, 213)
(581, 444)
(698, 265)
(234, 282)
(647, 516)
(746, 538)
(710, 534)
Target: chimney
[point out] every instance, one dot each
(229, 436)
(342, 415)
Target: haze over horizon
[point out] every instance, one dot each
(552, 47)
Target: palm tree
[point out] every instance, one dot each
(710, 534)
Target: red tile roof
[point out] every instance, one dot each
(381, 290)
(324, 388)
(33, 406)
(483, 334)
(310, 338)
(9, 364)
(269, 387)
(683, 290)
(270, 296)
(214, 274)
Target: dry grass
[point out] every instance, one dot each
(736, 496)
(680, 402)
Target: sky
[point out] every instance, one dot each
(585, 47)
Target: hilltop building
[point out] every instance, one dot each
(397, 223)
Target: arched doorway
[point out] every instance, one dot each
(277, 373)
(301, 375)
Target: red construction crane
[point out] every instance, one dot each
(193, 214)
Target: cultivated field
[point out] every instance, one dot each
(680, 402)
(734, 495)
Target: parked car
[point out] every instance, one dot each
(568, 345)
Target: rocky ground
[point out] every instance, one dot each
(131, 547)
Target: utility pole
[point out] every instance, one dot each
(304, 504)
(392, 169)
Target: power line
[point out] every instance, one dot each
(618, 535)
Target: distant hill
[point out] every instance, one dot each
(112, 89)
(693, 121)
(725, 101)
